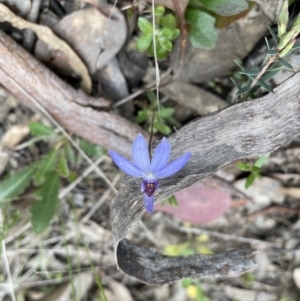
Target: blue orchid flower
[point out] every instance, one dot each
(150, 172)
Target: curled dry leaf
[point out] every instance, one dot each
(60, 49)
(98, 37)
(198, 204)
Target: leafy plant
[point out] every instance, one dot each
(202, 16)
(162, 35)
(284, 44)
(194, 290)
(45, 175)
(254, 169)
(162, 116)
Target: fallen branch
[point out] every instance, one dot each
(22, 75)
(245, 130)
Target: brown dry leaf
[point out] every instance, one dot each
(198, 204)
(59, 47)
(10, 139)
(193, 97)
(182, 4)
(98, 37)
(235, 42)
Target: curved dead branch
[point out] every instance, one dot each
(246, 130)
(25, 77)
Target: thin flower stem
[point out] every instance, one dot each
(151, 134)
(263, 70)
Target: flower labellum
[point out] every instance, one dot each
(150, 172)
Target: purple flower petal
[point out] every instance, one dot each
(149, 202)
(161, 155)
(125, 165)
(173, 167)
(140, 154)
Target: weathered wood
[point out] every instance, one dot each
(25, 77)
(246, 130)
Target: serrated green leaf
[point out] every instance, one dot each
(203, 33)
(225, 7)
(16, 184)
(243, 166)
(39, 129)
(261, 161)
(250, 180)
(285, 63)
(265, 86)
(45, 167)
(168, 21)
(43, 210)
(144, 42)
(145, 26)
(62, 166)
(166, 112)
(269, 74)
(91, 149)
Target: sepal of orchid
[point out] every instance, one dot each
(125, 165)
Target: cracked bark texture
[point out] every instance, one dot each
(245, 130)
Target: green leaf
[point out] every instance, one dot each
(163, 128)
(185, 282)
(265, 86)
(269, 74)
(250, 180)
(285, 63)
(142, 116)
(225, 7)
(39, 129)
(91, 149)
(249, 72)
(166, 44)
(69, 153)
(168, 21)
(273, 35)
(166, 112)
(43, 210)
(261, 161)
(144, 42)
(255, 169)
(296, 46)
(243, 90)
(45, 167)
(176, 33)
(62, 166)
(272, 52)
(243, 166)
(165, 34)
(160, 51)
(235, 82)
(16, 184)
(159, 11)
(144, 25)
(240, 65)
(203, 33)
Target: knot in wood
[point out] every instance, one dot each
(248, 142)
(249, 115)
